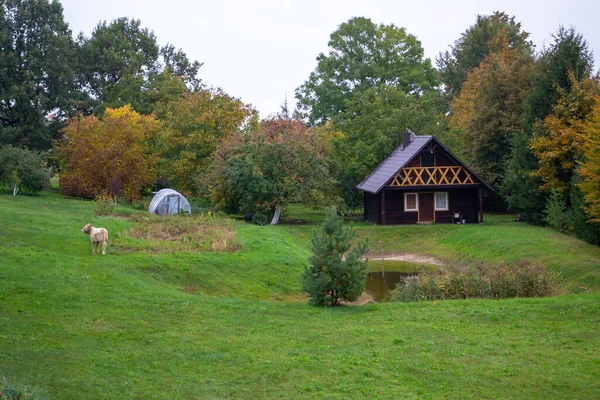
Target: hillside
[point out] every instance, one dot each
(137, 324)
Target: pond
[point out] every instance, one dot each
(380, 285)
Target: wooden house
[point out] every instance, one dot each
(422, 182)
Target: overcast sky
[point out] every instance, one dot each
(261, 51)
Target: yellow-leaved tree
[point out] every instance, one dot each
(562, 146)
(110, 155)
(590, 168)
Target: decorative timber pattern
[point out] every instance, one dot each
(423, 176)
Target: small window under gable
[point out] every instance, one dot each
(411, 202)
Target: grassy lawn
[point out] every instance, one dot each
(143, 324)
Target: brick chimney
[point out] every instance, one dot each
(406, 139)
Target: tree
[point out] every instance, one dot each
(108, 155)
(372, 127)
(194, 124)
(36, 60)
(590, 167)
(550, 76)
(474, 46)
(264, 169)
(336, 271)
(561, 148)
(116, 62)
(22, 169)
(363, 55)
(489, 107)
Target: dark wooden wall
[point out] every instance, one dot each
(394, 209)
(372, 203)
(465, 201)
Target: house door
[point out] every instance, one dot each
(426, 207)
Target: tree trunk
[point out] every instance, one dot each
(275, 219)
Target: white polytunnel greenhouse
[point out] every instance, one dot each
(169, 202)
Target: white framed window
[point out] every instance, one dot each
(441, 201)
(411, 202)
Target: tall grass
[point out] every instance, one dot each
(178, 233)
(479, 281)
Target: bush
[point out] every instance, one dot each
(104, 204)
(336, 271)
(259, 219)
(22, 169)
(482, 281)
(556, 213)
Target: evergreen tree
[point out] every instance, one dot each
(336, 271)
(474, 46)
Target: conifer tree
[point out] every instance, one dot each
(336, 271)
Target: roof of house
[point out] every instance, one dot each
(398, 159)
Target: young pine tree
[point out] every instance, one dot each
(336, 271)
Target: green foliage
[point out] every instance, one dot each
(550, 76)
(194, 125)
(474, 46)
(490, 108)
(22, 169)
(115, 62)
(372, 127)
(104, 204)
(520, 187)
(336, 271)
(481, 281)
(258, 218)
(362, 55)
(582, 224)
(36, 60)
(267, 168)
(556, 211)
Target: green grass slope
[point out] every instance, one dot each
(79, 326)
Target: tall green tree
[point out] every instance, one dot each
(569, 52)
(362, 55)
(121, 63)
(490, 107)
(372, 127)
(549, 76)
(474, 46)
(116, 62)
(36, 72)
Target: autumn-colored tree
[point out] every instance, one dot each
(489, 107)
(562, 146)
(108, 155)
(194, 124)
(590, 168)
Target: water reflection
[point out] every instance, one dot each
(380, 285)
